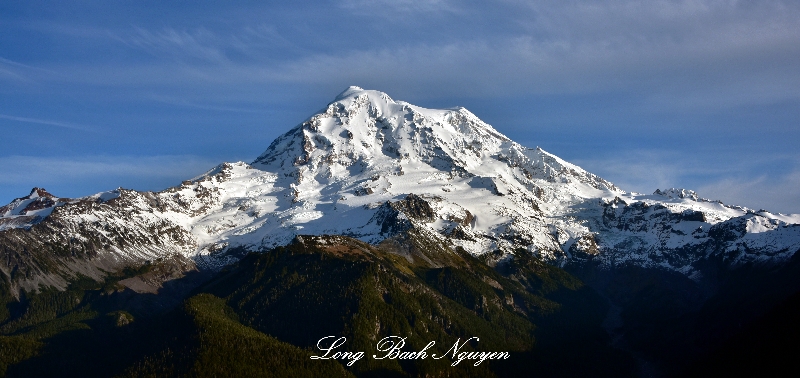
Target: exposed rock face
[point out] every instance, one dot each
(415, 207)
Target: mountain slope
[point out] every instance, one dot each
(343, 171)
(264, 315)
(378, 208)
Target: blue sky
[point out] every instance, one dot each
(701, 94)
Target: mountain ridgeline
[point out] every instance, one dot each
(377, 218)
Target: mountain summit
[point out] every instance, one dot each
(365, 150)
(373, 168)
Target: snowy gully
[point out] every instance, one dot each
(391, 347)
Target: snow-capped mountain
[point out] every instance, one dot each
(370, 167)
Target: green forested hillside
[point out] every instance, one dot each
(264, 316)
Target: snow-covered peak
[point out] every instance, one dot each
(25, 211)
(37, 192)
(38, 199)
(366, 133)
(365, 148)
(368, 167)
(354, 91)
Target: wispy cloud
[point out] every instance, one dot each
(17, 71)
(198, 44)
(32, 168)
(716, 68)
(85, 175)
(674, 54)
(756, 181)
(47, 122)
(404, 6)
(191, 104)
(11, 74)
(774, 193)
(644, 171)
(13, 63)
